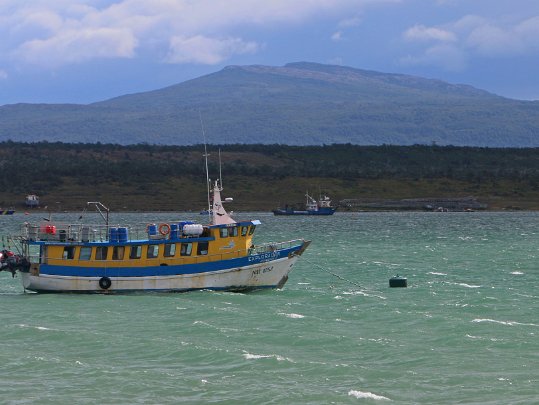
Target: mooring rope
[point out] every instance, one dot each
(330, 272)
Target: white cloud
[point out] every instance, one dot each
(471, 36)
(529, 29)
(205, 50)
(344, 25)
(349, 22)
(447, 56)
(490, 40)
(422, 33)
(336, 36)
(499, 38)
(52, 33)
(335, 61)
(73, 46)
(467, 23)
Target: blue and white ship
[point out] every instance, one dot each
(312, 207)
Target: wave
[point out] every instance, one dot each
(365, 294)
(508, 323)
(468, 285)
(22, 325)
(367, 395)
(293, 316)
(249, 356)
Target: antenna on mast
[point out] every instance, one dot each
(220, 174)
(206, 161)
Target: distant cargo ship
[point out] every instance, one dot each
(312, 207)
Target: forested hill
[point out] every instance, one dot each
(297, 104)
(261, 177)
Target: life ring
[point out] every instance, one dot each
(164, 229)
(105, 283)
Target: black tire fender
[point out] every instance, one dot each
(105, 283)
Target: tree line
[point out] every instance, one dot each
(26, 164)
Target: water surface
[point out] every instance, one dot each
(464, 331)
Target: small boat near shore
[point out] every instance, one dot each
(172, 256)
(312, 207)
(7, 212)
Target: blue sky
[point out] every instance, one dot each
(75, 51)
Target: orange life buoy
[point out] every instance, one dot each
(164, 229)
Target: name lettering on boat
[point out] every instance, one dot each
(257, 272)
(264, 257)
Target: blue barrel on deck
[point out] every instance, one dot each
(113, 235)
(152, 229)
(174, 231)
(122, 234)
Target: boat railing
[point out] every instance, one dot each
(274, 246)
(84, 233)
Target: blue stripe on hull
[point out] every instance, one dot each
(171, 270)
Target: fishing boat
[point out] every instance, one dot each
(312, 207)
(32, 201)
(168, 256)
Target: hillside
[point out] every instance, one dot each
(261, 177)
(297, 104)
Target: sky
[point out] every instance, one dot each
(77, 51)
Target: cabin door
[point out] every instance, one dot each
(43, 255)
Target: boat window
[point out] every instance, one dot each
(223, 232)
(118, 253)
(69, 252)
(153, 251)
(170, 249)
(101, 252)
(136, 252)
(243, 230)
(233, 231)
(252, 229)
(202, 248)
(85, 253)
(186, 249)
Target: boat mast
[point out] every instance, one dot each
(208, 185)
(220, 173)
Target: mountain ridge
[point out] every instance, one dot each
(300, 103)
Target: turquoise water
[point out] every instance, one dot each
(465, 331)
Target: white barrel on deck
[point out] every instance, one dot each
(193, 229)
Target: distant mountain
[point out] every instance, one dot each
(297, 104)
